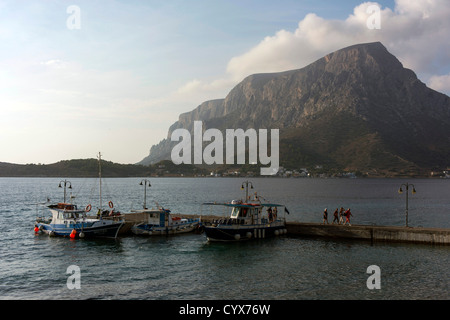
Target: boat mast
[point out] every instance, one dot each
(100, 177)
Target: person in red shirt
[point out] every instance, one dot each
(347, 214)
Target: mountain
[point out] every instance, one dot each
(355, 109)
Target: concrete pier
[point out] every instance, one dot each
(436, 236)
(371, 233)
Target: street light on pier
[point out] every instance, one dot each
(66, 182)
(400, 190)
(144, 183)
(246, 183)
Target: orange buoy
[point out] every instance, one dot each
(36, 229)
(111, 205)
(73, 234)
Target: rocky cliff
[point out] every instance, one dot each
(357, 108)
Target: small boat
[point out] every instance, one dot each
(160, 222)
(69, 221)
(249, 219)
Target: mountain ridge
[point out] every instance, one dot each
(360, 87)
(88, 168)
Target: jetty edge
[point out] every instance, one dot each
(372, 233)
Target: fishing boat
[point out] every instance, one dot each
(159, 221)
(67, 220)
(249, 219)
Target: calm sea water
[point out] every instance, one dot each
(188, 267)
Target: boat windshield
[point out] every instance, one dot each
(71, 215)
(240, 212)
(235, 212)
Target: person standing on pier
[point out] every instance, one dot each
(269, 211)
(325, 216)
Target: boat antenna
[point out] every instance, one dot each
(100, 177)
(246, 184)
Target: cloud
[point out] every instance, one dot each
(56, 63)
(198, 85)
(440, 83)
(416, 32)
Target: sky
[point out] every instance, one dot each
(86, 76)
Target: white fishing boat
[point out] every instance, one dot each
(249, 219)
(68, 220)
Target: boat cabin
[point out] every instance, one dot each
(64, 211)
(162, 218)
(244, 213)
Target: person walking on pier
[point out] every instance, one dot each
(325, 216)
(348, 214)
(336, 216)
(341, 215)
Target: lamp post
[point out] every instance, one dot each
(145, 182)
(66, 182)
(400, 190)
(246, 183)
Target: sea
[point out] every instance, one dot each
(188, 267)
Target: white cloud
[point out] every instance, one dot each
(440, 83)
(416, 32)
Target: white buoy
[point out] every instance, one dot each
(81, 235)
(249, 234)
(276, 232)
(237, 236)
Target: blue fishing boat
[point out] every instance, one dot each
(69, 221)
(249, 219)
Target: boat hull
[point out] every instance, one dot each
(152, 230)
(85, 230)
(239, 232)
